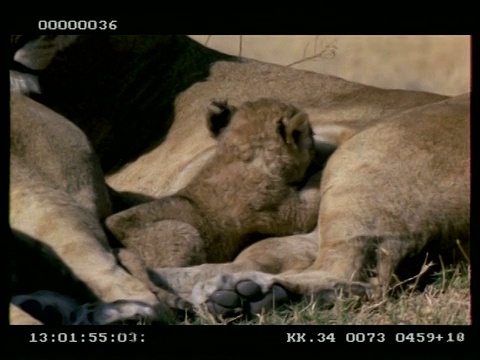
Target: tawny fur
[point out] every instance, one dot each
(58, 198)
(249, 187)
(399, 180)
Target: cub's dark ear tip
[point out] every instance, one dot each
(219, 113)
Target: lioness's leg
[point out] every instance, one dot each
(292, 253)
(411, 189)
(19, 317)
(79, 241)
(58, 196)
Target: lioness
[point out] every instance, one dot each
(398, 182)
(57, 199)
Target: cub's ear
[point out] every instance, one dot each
(219, 113)
(296, 129)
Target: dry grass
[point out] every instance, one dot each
(433, 63)
(445, 301)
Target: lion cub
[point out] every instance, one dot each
(249, 189)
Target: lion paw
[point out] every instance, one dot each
(46, 306)
(247, 298)
(118, 312)
(250, 293)
(55, 309)
(234, 294)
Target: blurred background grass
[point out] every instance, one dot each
(435, 63)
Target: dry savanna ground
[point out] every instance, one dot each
(445, 300)
(439, 64)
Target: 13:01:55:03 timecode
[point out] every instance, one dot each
(92, 337)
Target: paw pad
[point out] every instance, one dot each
(247, 298)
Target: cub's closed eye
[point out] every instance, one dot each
(281, 129)
(296, 136)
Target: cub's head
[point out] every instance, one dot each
(266, 133)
